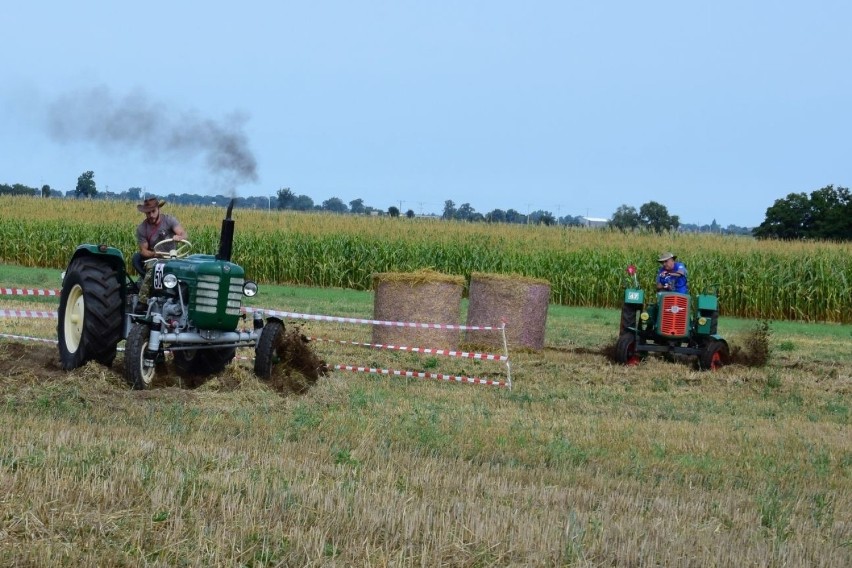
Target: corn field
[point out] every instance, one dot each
(773, 280)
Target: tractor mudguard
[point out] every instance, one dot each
(708, 303)
(108, 254)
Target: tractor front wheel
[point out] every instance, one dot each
(625, 349)
(136, 373)
(266, 351)
(714, 356)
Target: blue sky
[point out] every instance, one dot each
(713, 109)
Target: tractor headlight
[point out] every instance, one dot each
(644, 316)
(702, 320)
(250, 288)
(170, 281)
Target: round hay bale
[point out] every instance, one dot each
(519, 301)
(424, 296)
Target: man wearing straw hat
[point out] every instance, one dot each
(672, 274)
(155, 228)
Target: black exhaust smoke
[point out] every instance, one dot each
(226, 237)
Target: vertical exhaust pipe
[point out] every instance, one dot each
(226, 237)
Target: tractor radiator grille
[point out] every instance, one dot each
(675, 315)
(212, 293)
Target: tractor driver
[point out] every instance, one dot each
(155, 228)
(671, 276)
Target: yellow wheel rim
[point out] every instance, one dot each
(75, 311)
(147, 372)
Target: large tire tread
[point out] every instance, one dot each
(134, 352)
(266, 350)
(628, 317)
(625, 349)
(103, 313)
(714, 356)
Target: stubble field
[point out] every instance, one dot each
(583, 462)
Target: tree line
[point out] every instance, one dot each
(824, 214)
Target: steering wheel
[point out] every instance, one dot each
(181, 251)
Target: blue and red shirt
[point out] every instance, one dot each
(676, 282)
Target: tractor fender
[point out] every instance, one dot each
(108, 254)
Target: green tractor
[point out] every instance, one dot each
(194, 310)
(673, 325)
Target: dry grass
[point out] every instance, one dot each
(583, 463)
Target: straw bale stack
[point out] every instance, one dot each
(520, 301)
(424, 296)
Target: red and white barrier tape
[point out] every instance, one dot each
(422, 375)
(295, 315)
(27, 314)
(338, 319)
(25, 338)
(28, 292)
(424, 350)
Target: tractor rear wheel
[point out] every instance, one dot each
(625, 349)
(714, 356)
(90, 313)
(266, 351)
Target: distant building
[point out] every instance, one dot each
(595, 221)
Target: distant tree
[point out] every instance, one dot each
(449, 210)
(335, 205)
(302, 203)
(735, 230)
(393, 211)
(787, 218)
(465, 212)
(17, 189)
(825, 214)
(45, 191)
(134, 193)
(625, 218)
(86, 185)
(287, 199)
(541, 217)
(831, 213)
(656, 217)
(513, 216)
(410, 214)
(496, 216)
(357, 206)
(570, 221)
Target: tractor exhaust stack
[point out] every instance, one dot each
(226, 237)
